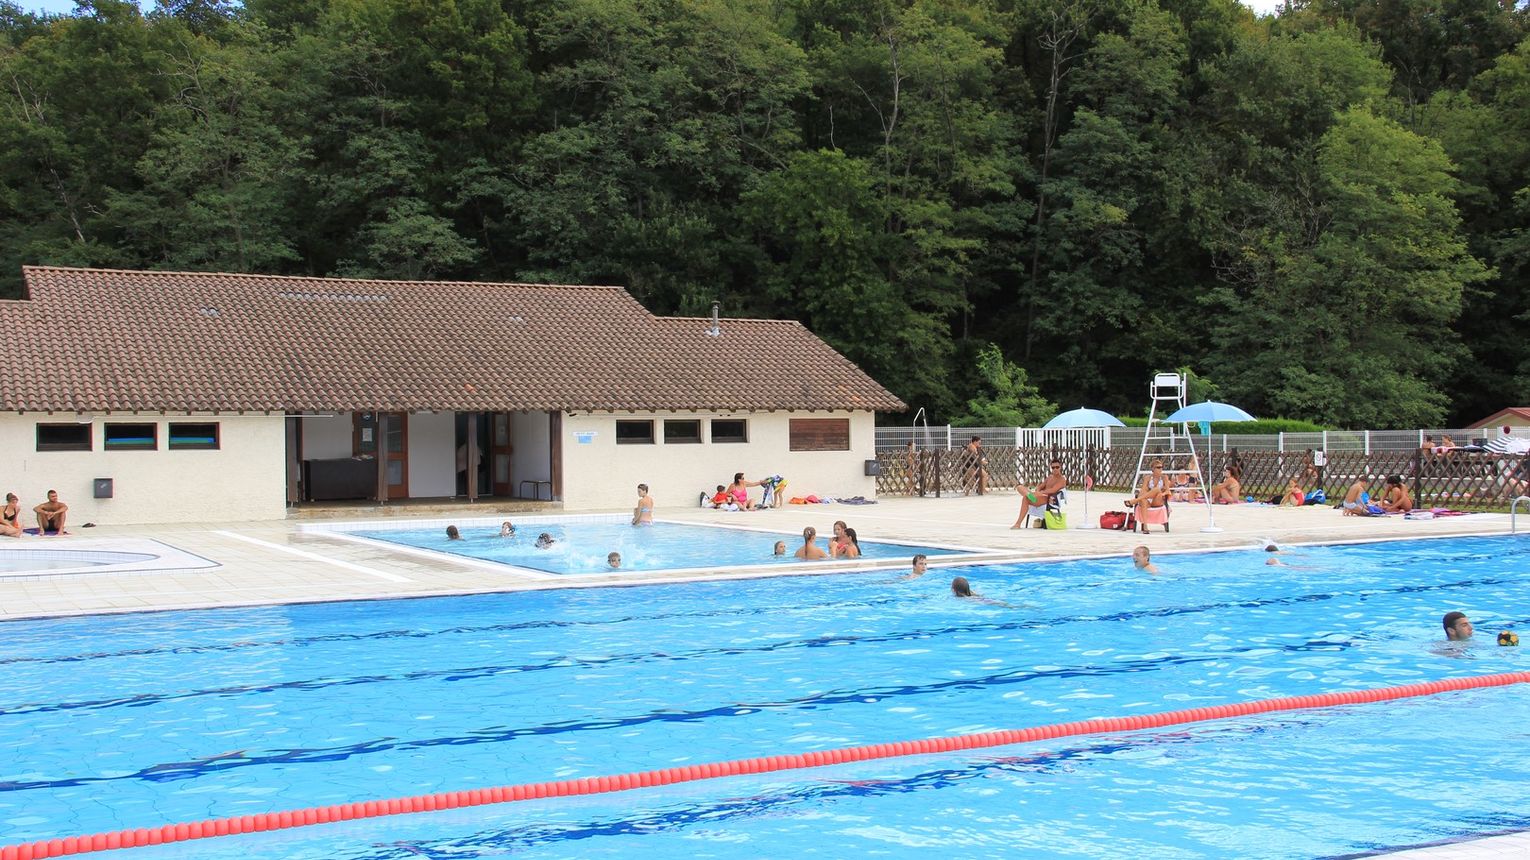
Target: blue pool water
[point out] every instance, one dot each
(582, 546)
(135, 721)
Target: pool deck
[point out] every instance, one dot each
(286, 562)
(256, 563)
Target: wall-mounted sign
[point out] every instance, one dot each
(585, 437)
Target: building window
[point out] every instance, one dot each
(63, 437)
(682, 432)
(193, 437)
(729, 430)
(634, 432)
(130, 437)
(820, 434)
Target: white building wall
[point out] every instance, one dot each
(432, 454)
(242, 480)
(531, 460)
(328, 438)
(599, 473)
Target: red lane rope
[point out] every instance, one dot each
(689, 773)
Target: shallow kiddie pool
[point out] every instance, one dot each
(582, 544)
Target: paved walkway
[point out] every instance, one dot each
(280, 562)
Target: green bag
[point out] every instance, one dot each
(1054, 520)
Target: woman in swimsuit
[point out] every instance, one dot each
(10, 517)
(739, 492)
(1228, 491)
(1154, 493)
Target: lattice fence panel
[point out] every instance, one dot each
(1464, 480)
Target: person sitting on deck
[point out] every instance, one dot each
(1397, 499)
(1187, 484)
(1152, 499)
(1293, 496)
(51, 514)
(739, 491)
(1227, 491)
(10, 517)
(1042, 494)
(1358, 499)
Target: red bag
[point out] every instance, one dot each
(1115, 520)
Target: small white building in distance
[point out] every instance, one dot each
(194, 397)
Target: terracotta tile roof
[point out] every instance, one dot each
(100, 340)
(1509, 414)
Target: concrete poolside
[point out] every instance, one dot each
(254, 563)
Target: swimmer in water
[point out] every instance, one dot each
(960, 587)
(1143, 559)
(614, 560)
(452, 533)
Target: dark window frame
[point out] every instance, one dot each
(818, 434)
(132, 443)
(694, 439)
(200, 443)
(726, 438)
(87, 429)
(635, 440)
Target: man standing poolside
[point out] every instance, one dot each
(977, 466)
(810, 551)
(642, 515)
(51, 514)
(1457, 626)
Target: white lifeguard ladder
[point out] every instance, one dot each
(1168, 391)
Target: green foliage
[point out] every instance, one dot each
(1326, 210)
(1008, 399)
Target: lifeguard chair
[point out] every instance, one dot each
(1159, 440)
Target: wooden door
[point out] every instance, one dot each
(393, 429)
(500, 451)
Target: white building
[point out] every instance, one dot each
(191, 397)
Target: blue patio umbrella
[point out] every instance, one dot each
(1208, 412)
(1075, 419)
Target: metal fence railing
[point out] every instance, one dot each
(1458, 479)
(949, 438)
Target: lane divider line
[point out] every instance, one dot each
(187, 831)
(313, 556)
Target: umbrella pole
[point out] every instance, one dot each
(1206, 487)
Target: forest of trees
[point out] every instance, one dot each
(1325, 214)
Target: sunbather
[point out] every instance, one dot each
(1397, 499)
(1227, 491)
(1042, 494)
(1358, 499)
(1152, 499)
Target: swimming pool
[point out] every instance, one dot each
(31, 560)
(141, 720)
(581, 545)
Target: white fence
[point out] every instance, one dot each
(947, 437)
